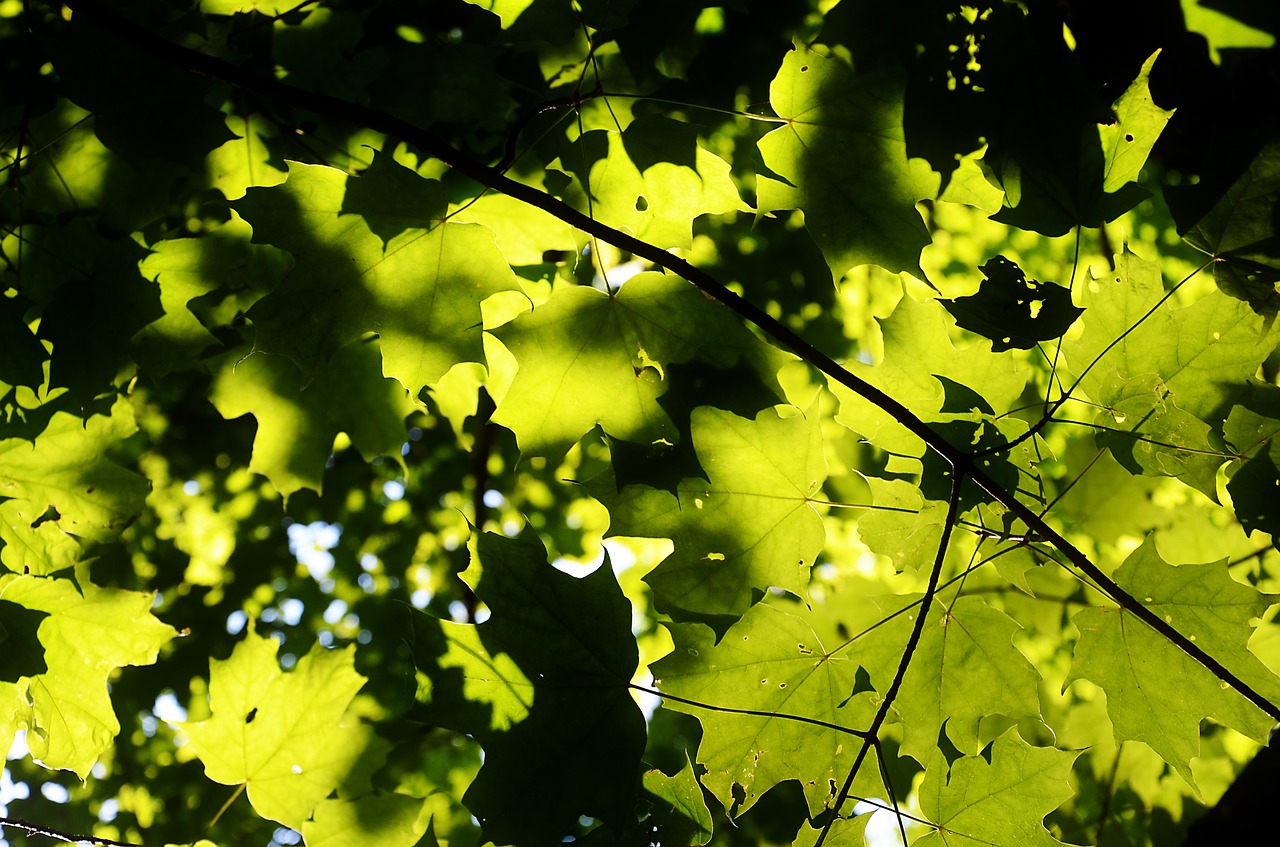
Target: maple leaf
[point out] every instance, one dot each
(284, 735)
(842, 158)
(800, 696)
(751, 526)
(1198, 351)
(963, 669)
(297, 422)
(63, 483)
(542, 685)
(1156, 693)
(1000, 798)
(652, 180)
(373, 258)
(613, 366)
(86, 632)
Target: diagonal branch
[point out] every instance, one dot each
(873, 732)
(963, 463)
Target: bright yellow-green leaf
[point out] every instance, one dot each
(1139, 122)
(1000, 798)
(244, 162)
(297, 420)
(917, 351)
(964, 668)
(374, 820)
(88, 634)
(373, 256)
(284, 734)
(506, 10)
(651, 180)
(524, 233)
(679, 811)
(1156, 693)
(187, 268)
(588, 358)
(66, 470)
(1198, 351)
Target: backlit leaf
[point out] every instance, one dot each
(87, 633)
(588, 358)
(419, 290)
(751, 526)
(841, 158)
(652, 180)
(297, 420)
(964, 669)
(65, 482)
(283, 734)
(1156, 693)
(998, 798)
(803, 721)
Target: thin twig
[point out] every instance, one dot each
(70, 838)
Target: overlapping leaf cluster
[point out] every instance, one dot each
(419, 392)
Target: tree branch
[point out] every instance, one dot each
(913, 640)
(963, 463)
(71, 838)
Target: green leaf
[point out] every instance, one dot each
(64, 482)
(1012, 310)
(1148, 435)
(1127, 141)
(586, 358)
(964, 668)
(420, 291)
(283, 734)
(902, 524)
(93, 300)
(841, 158)
(800, 696)
(191, 268)
(1199, 352)
(542, 685)
(1000, 798)
(1251, 430)
(917, 351)
(506, 10)
(377, 820)
(844, 832)
(677, 810)
(298, 422)
(87, 633)
(525, 234)
(752, 526)
(246, 161)
(652, 180)
(1156, 693)
(1239, 232)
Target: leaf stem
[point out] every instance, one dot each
(227, 805)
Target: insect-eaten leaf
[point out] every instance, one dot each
(1013, 311)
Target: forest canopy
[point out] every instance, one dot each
(638, 423)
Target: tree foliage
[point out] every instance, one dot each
(522, 421)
